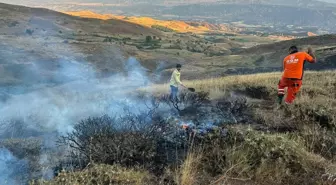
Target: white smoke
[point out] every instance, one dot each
(56, 109)
(10, 167)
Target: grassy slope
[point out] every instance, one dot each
(304, 154)
(312, 86)
(315, 99)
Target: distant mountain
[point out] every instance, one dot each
(259, 14)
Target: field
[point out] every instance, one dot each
(289, 145)
(84, 100)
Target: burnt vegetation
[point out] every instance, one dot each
(153, 144)
(149, 139)
(153, 141)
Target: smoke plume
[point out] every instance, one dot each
(52, 110)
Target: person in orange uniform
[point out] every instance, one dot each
(292, 75)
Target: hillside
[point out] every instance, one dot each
(272, 54)
(16, 19)
(168, 25)
(86, 101)
(37, 42)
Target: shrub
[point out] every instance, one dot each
(132, 140)
(148, 39)
(13, 24)
(234, 110)
(187, 102)
(29, 31)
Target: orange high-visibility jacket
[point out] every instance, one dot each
(293, 64)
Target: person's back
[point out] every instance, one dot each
(294, 64)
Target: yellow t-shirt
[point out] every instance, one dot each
(175, 78)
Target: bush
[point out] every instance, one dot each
(13, 24)
(148, 39)
(187, 102)
(29, 31)
(133, 140)
(234, 110)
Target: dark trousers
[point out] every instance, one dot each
(173, 92)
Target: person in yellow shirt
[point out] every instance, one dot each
(175, 82)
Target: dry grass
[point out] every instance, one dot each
(302, 154)
(101, 174)
(258, 159)
(188, 173)
(314, 84)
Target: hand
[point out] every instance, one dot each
(310, 50)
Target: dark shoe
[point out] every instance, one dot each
(280, 98)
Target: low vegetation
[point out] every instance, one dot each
(252, 142)
(101, 174)
(162, 28)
